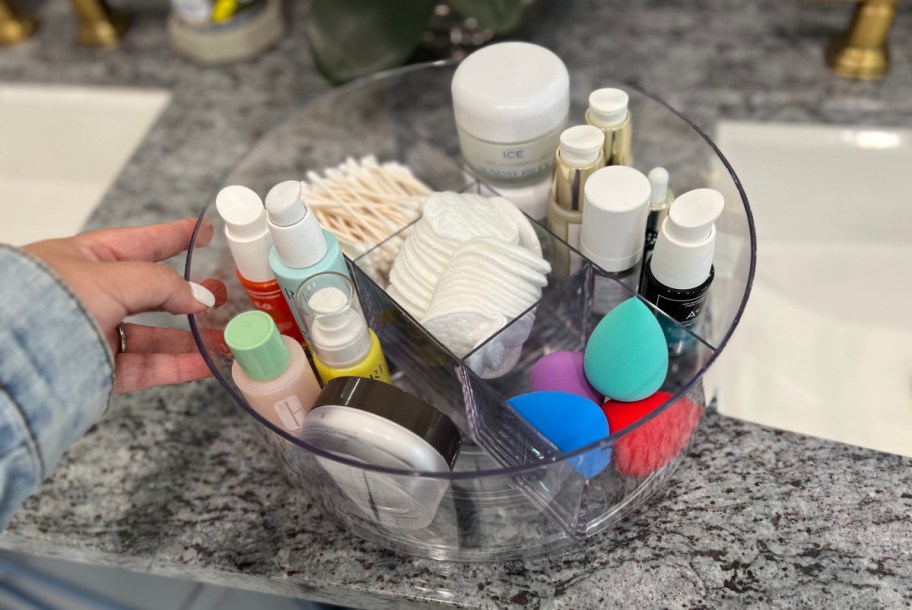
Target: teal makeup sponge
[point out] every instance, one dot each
(626, 357)
(570, 422)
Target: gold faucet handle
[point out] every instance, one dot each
(861, 53)
(99, 26)
(14, 26)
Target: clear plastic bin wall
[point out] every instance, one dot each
(511, 493)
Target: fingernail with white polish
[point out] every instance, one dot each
(202, 294)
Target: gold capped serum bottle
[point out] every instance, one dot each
(578, 157)
(608, 111)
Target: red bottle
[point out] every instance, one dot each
(249, 240)
(267, 297)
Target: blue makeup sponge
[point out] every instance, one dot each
(569, 421)
(626, 357)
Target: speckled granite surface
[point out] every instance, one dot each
(172, 481)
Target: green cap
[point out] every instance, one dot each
(255, 341)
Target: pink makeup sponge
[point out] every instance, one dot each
(563, 372)
(626, 357)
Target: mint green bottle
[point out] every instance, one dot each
(271, 370)
(301, 247)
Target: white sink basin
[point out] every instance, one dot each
(825, 345)
(60, 150)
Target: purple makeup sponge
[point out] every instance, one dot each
(563, 372)
(626, 357)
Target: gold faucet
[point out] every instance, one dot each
(99, 26)
(861, 53)
(14, 26)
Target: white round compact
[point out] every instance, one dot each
(378, 424)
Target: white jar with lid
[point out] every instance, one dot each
(511, 102)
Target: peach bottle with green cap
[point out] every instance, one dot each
(271, 370)
(342, 344)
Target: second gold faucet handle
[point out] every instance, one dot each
(861, 53)
(99, 26)
(14, 26)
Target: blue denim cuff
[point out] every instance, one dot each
(56, 374)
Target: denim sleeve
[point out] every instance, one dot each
(56, 374)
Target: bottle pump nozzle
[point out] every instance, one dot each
(297, 235)
(684, 249)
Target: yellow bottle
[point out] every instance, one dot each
(373, 365)
(341, 343)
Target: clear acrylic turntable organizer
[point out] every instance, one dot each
(511, 493)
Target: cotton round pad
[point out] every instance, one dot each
(569, 422)
(446, 212)
(471, 265)
(562, 372)
(654, 444)
(626, 357)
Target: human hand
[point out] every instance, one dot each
(116, 273)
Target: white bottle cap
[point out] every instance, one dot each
(608, 107)
(658, 183)
(298, 238)
(338, 331)
(580, 145)
(246, 231)
(284, 203)
(615, 209)
(684, 249)
(511, 92)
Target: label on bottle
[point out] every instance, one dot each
(510, 164)
(290, 412)
(268, 298)
(685, 311)
(683, 307)
(373, 366)
(650, 242)
(381, 371)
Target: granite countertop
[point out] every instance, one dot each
(172, 480)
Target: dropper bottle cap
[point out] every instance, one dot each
(686, 244)
(658, 183)
(338, 331)
(247, 231)
(298, 238)
(607, 107)
(581, 145)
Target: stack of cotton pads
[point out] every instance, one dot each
(470, 265)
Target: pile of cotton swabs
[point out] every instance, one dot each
(364, 202)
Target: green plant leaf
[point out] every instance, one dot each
(499, 15)
(351, 38)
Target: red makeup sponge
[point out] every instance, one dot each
(655, 443)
